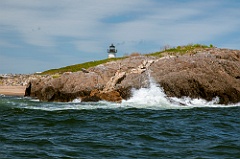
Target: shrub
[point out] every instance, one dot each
(135, 54)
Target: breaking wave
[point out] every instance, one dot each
(152, 97)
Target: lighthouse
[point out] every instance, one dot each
(112, 51)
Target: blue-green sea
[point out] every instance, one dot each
(148, 125)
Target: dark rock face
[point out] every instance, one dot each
(207, 74)
(28, 89)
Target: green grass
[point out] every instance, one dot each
(78, 67)
(179, 50)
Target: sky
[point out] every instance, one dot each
(37, 35)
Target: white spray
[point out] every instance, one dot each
(154, 97)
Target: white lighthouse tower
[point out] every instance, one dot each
(112, 51)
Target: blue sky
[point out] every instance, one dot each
(36, 35)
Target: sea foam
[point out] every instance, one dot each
(154, 97)
(148, 97)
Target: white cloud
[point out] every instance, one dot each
(40, 22)
(38, 25)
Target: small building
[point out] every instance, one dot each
(112, 51)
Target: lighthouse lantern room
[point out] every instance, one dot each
(112, 51)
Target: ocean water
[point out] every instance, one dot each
(149, 125)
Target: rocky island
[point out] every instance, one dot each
(199, 72)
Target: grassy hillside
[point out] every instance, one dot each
(78, 67)
(179, 50)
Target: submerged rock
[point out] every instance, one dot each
(207, 74)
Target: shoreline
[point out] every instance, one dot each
(12, 90)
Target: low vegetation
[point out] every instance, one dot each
(77, 67)
(179, 50)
